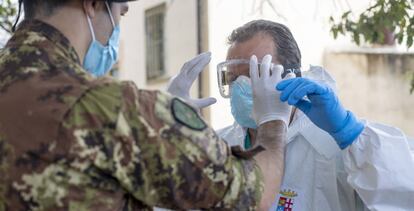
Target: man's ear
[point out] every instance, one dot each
(91, 7)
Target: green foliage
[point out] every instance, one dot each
(412, 84)
(377, 23)
(7, 13)
(384, 18)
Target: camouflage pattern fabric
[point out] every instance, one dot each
(69, 141)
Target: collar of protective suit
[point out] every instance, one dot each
(320, 140)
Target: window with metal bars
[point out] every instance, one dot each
(154, 33)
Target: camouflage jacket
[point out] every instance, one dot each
(69, 141)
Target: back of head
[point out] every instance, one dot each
(35, 8)
(287, 50)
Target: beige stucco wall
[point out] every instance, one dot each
(375, 85)
(180, 40)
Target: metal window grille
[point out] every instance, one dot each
(154, 30)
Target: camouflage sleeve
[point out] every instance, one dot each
(160, 150)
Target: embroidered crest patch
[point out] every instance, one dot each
(286, 200)
(187, 115)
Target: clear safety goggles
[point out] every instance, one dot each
(228, 71)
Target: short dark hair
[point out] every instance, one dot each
(46, 7)
(287, 49)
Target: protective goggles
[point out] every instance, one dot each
(228, 71)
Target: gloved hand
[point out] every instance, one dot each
(323, 109)
(181, 83)
(266, 104)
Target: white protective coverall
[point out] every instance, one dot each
(376, 172)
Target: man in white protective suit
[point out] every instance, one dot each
(333, 160)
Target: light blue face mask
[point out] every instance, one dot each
(99, 59)
(241, 101)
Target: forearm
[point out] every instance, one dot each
(271, 136)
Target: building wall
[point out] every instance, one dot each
(375, 85)
(180, 41)
(3, 38)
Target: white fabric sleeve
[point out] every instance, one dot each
(380, 167)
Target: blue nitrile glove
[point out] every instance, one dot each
(322, 107)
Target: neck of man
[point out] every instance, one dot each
(71, 21)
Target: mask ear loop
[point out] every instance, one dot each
(110, 14)
(90, 27)
(90, 22)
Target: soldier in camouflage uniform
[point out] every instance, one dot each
(69, 141)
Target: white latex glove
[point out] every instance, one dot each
(181, 83)
(266, 99)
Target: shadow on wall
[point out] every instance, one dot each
(375, 85)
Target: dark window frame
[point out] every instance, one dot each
(155, 42)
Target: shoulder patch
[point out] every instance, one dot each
(187, 115)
